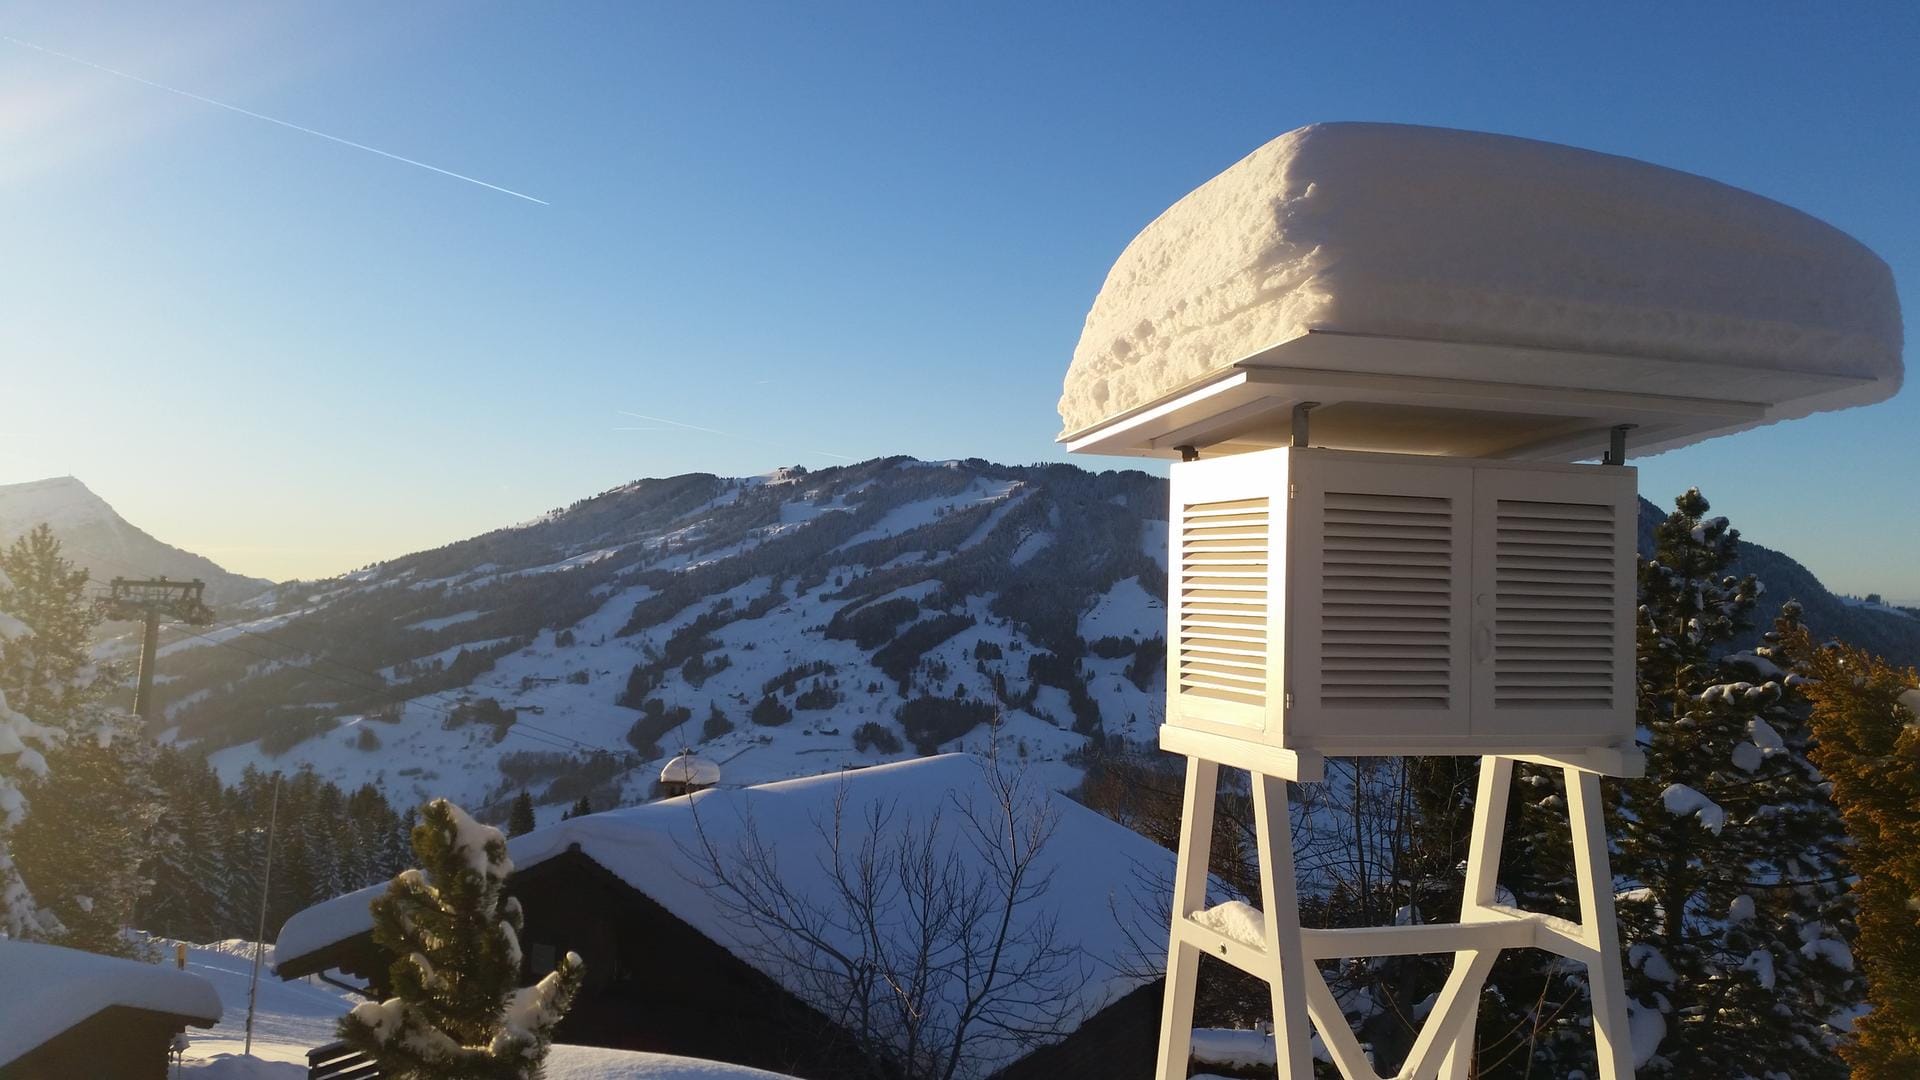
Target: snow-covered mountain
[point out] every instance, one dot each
(781, 625)
(94, 536)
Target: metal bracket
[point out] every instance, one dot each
(1617, 445)
(1300, 412)
(1187, 452)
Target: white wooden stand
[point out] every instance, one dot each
(1444, 1048)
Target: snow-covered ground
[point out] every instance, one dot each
(291, 1018)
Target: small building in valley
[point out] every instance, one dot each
(686, 774)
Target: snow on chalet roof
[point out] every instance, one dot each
(48, 989)
(1364, 255)
(690, 769)
(1098, 866)
(594, 1063)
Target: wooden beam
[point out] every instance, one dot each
(1303, 766)
(1352, 941)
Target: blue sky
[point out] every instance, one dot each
(866, 230)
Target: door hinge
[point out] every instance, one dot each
(1286, 700)
(1293, 491)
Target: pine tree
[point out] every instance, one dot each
(22, 760)
(83, 855)
(188, 863)
(520, 818)
(1866, 722)
(581, 808)
(455, 934)
(1736, 915)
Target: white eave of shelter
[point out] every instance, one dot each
(1487, 400)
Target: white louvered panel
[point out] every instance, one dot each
(1555, 604)
(1223, 581)
(1387, 564)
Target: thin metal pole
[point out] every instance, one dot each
(260, 935)
(149, 651)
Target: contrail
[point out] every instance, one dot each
(270, 119)
(722, 434)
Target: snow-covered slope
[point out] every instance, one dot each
(919, 598)
(922, 598)
(94, 536)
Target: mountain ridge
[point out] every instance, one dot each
(95, 536)
(781, 625)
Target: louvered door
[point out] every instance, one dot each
(1380, 548)
(1225, 622)
(1553, 605)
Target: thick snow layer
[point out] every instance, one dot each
(1237, 1048)
(1645, 1027)
(1682, 800)
(242, 1067)
(45, 989)
(593, 1063)
(1098, 868)
(1456, 236)
(1235, 920)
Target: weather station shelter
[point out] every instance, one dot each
(1379, 356)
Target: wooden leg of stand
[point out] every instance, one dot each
(1281, 906)
(1483, 873)
(1189, 895)
(1611, 1034)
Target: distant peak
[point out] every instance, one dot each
(51, 483)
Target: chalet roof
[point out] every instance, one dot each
(48, 989)
(593, 1063)
(1098, 867)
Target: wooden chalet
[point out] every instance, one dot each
(657, 979)
(66, 1013)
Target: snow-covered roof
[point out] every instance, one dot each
(690, 769)
(593, 1063)
(1097, 866)
(48, 989)
(1394, 273)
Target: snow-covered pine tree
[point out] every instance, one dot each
(455, 934)
(83, 854)
(23, 744)
(188, 853)
(1736, 915)
(520, 817)
(1866, 724)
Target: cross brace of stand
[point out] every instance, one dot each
(1285, 959)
